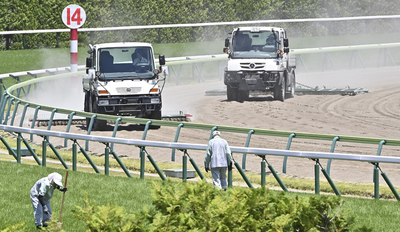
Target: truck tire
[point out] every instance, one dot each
(280, 89)
(98, 124)
(231, 93)
(242, 95)
(291, 93)
(157, 116)
(86, 107)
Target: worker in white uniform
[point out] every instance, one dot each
(219, 158)
(41, 193)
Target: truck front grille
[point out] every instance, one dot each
(128, 90)
(250, 66)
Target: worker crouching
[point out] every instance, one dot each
(41, 193)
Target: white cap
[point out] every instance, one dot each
(216, 133)
(56, 178)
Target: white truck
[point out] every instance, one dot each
(259, 63)
(122, 79)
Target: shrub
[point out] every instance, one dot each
(201, 207)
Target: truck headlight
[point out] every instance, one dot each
(103, 102)
(155, 100)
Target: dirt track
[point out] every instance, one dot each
(375, 114)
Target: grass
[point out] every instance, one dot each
(133, 194)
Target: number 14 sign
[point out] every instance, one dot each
(73, 16)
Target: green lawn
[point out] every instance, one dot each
(133, 194)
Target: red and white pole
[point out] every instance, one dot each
(74, 16)
(74, 50)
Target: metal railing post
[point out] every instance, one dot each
(8, 111)
(289, 143)
(328, 165)
(316, 173)
(376, 182)
(68, 127)
(246, 145)
(51, 121)
(121, 164)
(90, 160)
(34, 120)
(4, 99)
(107, 161)
(115, 132)
(31, 151)
(156, 167)
(184, 167)
(178, 130)
(21, 122)
(263, 173)
(243, 175)
(58, 155)
(10, 150)
(74, 156)
(90, 130)
(44, 149)
(394, 191)
(378, 153)
(19, 148)
(15, 112)
(142, 163)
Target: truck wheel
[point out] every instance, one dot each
(98, 124)
(86, 107)
(155, 115)
(292, 86)
(279, 90)
(231, 93)
(242, 95)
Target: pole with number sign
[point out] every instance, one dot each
(74, 17)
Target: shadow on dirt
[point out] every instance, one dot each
(256, 99)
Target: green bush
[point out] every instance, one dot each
(201, 207)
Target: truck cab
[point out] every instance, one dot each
(259, 63)
(122, 79)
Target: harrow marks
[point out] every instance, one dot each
(303, 90)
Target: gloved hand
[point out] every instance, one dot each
(63, 189)
(207, 169)
(230, 166)
(46, 210)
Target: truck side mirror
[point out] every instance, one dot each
(286, 50)
(88, 64)
(226, 42)
(286, 42)
(161, 59)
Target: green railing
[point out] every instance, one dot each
(8, 100)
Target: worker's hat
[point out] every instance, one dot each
(216, 133)
(57, 179)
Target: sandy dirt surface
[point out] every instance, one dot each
(375, 114)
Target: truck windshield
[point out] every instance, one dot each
(258, 45)
(126, 63)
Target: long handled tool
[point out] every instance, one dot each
(59, 224)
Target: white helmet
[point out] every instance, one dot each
(55, 178)
(216, 133)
